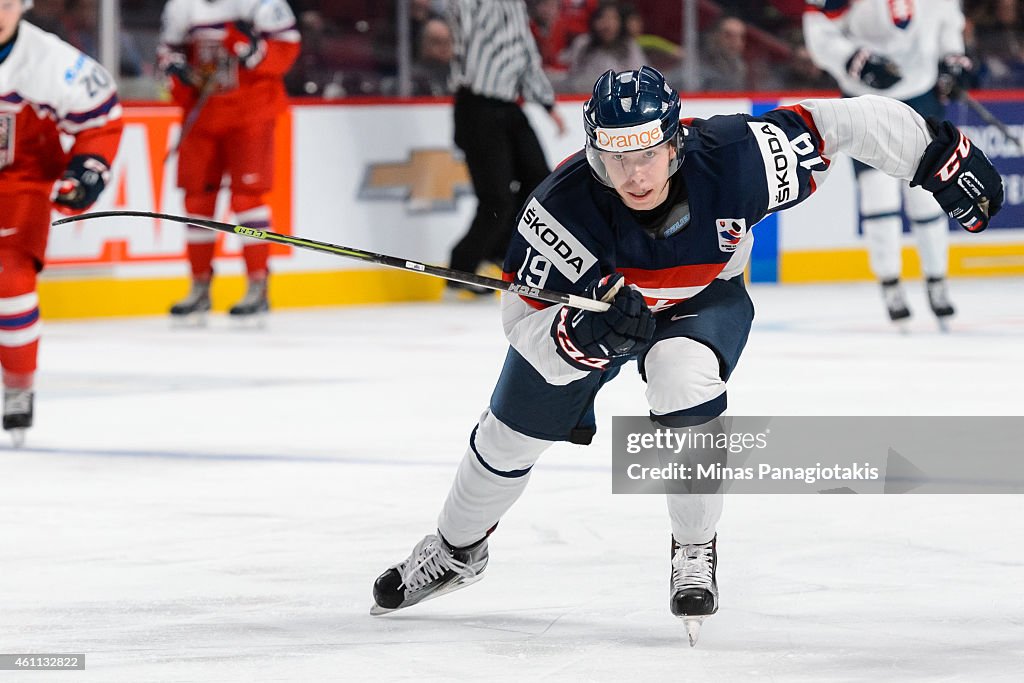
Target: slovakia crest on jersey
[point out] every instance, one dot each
(901, 11)
(730, 232)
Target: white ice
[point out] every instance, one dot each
(215, 504)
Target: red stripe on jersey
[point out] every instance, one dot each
(830, 13)
(680, 276)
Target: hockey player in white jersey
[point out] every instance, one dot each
(48, 91)
(898, 49)
(654, 217)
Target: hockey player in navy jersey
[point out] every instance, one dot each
(655, 217)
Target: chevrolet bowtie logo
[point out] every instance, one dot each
(431, 180)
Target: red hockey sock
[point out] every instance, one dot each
(256, 256)
(200, 255)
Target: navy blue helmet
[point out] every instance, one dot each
(630, 111)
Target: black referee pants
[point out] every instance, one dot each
(505, 162)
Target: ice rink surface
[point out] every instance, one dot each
(215, 504)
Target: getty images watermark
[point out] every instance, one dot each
(818, 455)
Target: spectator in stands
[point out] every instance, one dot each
(659, 52)
(575, 15)
(801, 73)
(81, 25)
(313, 74)
(722, 65)
(999, 35)
(605, 46)
(432, 66)
(549, 30)
(47, 14)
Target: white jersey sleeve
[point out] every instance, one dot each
(878, 131)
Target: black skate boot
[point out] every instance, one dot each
(938, 299)
(195, 306)
(895, 301)
(693, 589)
(18, 413)
(434, 568)
(254, 305)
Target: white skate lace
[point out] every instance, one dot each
(938, 294)
(691, 567)
(17, 402)
(429, 560)
(894, 297)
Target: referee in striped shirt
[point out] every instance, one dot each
(496, 64)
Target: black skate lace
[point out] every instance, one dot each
(429, 560)
(691, 567)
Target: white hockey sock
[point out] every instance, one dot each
(884, 239)
(491, 477)
(933, 245)
(694, 516)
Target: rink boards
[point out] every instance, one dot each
(384, 176)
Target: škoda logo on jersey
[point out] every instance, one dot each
(730, 232)
(553, 241)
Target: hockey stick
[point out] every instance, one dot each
(988, 117)
(193, 115)
(571, 300)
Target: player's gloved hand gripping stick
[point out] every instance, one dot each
(571, 300)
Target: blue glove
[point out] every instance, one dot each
(874, 71)
(589, 341)
(965, 183)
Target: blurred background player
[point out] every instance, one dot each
(49, 89)
(895, 49)
(496, 63)
(226, 61)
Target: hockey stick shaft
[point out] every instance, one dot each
(988, 117)
(391, 261)
(192, 117)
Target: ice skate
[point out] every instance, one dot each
(938, 299)
(251, 311)
(194, 308)
(895, 303)
(693, 588)
(18, 413)
(434, 568)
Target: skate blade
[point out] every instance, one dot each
(17, 436)
(693, 628)
(943, 322)
(256, 321)
(376, 610)
(189, 321)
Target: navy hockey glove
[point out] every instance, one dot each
(954, 76)
(243, 42)
(965, 183)
(175, 65)
(82, 183)
(874, 71)
(589, 340)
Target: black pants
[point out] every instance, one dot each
(505, 162)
